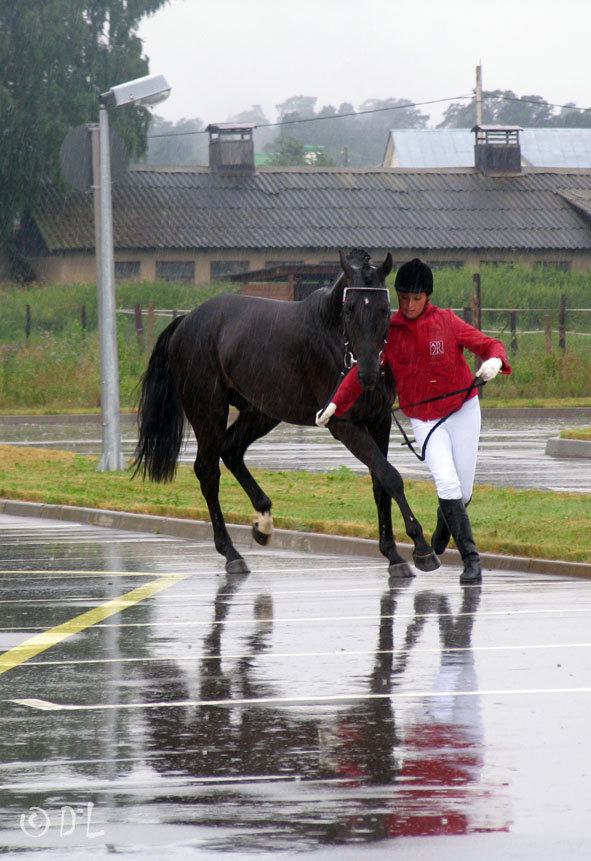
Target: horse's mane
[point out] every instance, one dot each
(326, 301)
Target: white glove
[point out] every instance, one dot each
(489, 369)
(324, 416)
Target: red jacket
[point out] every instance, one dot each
(426, 357)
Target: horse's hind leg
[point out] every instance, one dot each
(248, 427)
(207, 469)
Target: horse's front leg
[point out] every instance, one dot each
(397, 567)
(364, 448)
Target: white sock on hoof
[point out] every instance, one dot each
(264, 523)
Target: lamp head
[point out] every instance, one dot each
(148, 90)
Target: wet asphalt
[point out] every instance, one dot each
(152, 707)
(512, 450)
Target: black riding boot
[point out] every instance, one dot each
(456, 516)
(441, 535)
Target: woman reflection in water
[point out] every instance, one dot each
(425, 352)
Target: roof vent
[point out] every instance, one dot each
(497, 149)
(231, 148)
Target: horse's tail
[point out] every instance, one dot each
(161, 419)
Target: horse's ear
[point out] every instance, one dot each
(387, 265)
(346, 266)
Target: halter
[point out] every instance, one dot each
(349, 359)
(373, 290)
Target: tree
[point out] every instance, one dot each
(288, 152)
(500, 107)
(361, 134)
(180, 143)
(55, 59)
(571, 117)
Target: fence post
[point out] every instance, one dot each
(548, 333)
(477, 318)
(513, 331)
(83, 317)
(139, 324)
(476, 303)
(151, 324)
(28, 322)
(562, 323)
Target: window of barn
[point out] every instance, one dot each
(127, 269)
(175, 270)
(221, 268)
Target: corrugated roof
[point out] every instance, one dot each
(331, 208)
(434, 148)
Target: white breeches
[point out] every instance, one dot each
(452, 450)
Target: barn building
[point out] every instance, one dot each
(202, 223)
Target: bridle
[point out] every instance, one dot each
(349, 358)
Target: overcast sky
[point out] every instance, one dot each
(223, 56)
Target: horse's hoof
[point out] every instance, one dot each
(400, 571)
(262, 528)
(426, 562)
(260, 537)
(237, 566)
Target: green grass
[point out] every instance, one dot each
(57, 369)
(522, 522)
(576, 433)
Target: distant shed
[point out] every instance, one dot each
(290, 282)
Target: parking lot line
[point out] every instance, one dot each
(45, 640)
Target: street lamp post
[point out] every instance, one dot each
(142, 91)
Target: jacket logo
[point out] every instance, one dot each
(436, 348)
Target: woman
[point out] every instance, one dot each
(425, 351)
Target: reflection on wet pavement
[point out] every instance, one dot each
(512, 450)
(308, 705)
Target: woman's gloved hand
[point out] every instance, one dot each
(488, 370)
(323, 416)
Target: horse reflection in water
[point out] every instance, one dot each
(428, 768)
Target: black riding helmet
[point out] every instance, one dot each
(414, 277)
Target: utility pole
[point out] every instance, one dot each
(479, 95)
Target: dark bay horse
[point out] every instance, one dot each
(276, 361)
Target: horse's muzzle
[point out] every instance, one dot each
(368, 381)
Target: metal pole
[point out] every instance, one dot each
(479, 95)
(111, 459)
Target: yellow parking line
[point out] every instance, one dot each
(40, 642)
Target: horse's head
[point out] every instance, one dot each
(366, 311)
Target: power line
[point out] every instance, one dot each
(491, 95)
(318, 119)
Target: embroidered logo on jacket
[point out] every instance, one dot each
(436, 348)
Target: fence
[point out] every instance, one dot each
(507, 321)
(498, 321)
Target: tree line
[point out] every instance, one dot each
(57, 56)
(354, 136)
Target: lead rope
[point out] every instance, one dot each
(476, 383)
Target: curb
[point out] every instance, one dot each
(559, 447)
(283, 539)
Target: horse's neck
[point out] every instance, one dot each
(326, 304)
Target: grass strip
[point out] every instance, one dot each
(576, 433)
(531, 523)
